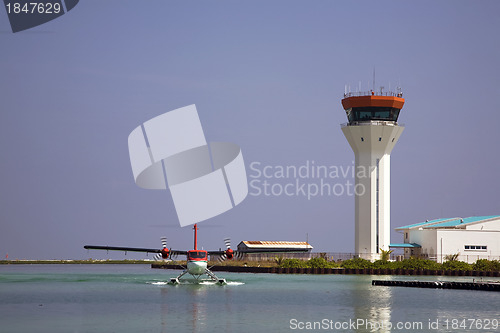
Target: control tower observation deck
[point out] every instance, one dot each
(372, 132)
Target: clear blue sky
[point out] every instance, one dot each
(267, 75)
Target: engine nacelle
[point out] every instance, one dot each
(229, 254)
(165, 253)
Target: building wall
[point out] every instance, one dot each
(427, 239)
(273, 256)
(438, 243)
(454, 241)
(493, 225)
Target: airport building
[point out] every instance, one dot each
(269, 246)
(472, 238)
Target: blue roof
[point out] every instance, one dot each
(466, 220)
(427, 223)
(405, 245)
(449, 222)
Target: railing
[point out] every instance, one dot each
(470, 258)
(371, 122)
(373, 93)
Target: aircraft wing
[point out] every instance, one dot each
(131, 249)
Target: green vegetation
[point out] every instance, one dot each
(455, 265)
(384, 264)
(452, 263)
(452, 257)
(486, 265)
(356, 263)
(321, 262)
(410, 264)
(293, 263)
(416, 263)
(311, 263)
(278, 260)
(385, 255)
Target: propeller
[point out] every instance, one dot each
(164, 254)
(229, 254)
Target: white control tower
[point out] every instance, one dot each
(372, 132)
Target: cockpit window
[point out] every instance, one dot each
(197, 254)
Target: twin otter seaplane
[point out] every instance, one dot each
(197, 260)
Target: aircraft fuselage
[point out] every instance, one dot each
(197, 262)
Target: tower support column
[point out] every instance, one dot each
(372, 144)
(372, 205)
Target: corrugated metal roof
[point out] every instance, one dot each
(277, 244)
(426, 223)
(458, 222)
(449, 222)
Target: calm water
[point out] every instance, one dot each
(135, 298)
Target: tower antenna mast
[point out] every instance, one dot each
(373, 78)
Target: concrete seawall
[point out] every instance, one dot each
(366, 271)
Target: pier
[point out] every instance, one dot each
(488, 286)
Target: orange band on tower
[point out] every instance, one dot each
(376, 101)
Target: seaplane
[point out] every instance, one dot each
(196, 260)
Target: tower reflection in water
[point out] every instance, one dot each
(372, 308)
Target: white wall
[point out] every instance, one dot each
(454, 241)
(437, 243)
(493, 225)
(427, 239)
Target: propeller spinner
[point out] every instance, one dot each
(229, 253)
